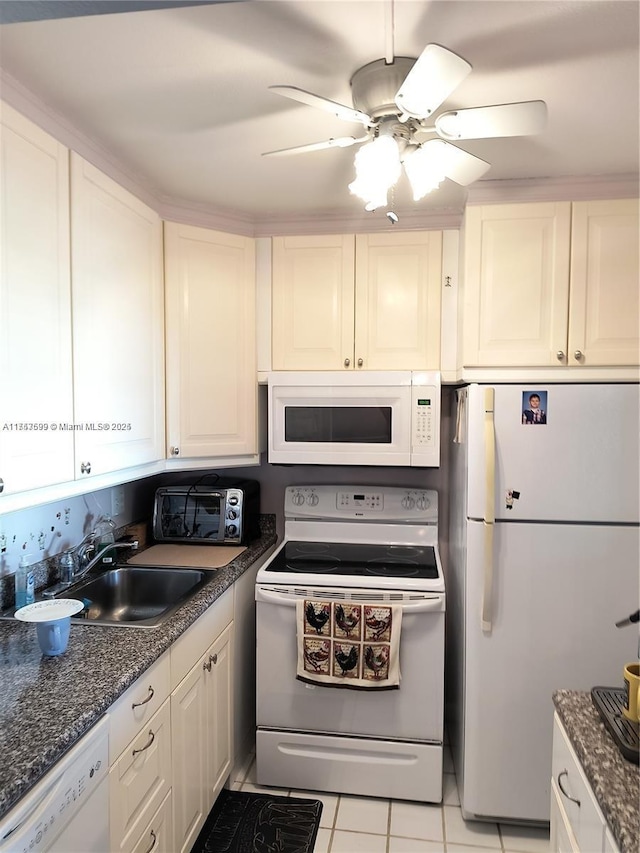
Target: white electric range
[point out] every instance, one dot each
(353, 544)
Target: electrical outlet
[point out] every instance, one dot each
(117, 501)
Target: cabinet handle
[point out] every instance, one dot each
(153, 842)
(213, 659)
(144, 701)
(85, 467)
(207, 665)
(564, 793)
(152, 737)
(560, 355)
(360, 362)
(578, 355)
(347, 362)
(1, 485)
(174, 451)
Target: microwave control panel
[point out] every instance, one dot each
(425, 420)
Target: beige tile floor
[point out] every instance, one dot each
(369, 825)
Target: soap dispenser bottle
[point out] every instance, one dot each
(24, 583)
(104, 539)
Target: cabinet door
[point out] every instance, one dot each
(398, 301)
(35, 307)
(189, 755)
(211, 349)
(118, 355)
(516, 284)
(219, 723)
(604, 316)
(313, 303)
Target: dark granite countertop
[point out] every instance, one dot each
(614, 780)
(47, 704)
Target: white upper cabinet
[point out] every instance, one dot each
(35, 309)
(370, 301)
(117, 294)
(604, 315)
(211, 344)
(551, 284)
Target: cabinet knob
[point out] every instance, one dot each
(207, 665)
(578, 355)
(1, 485)
(213, 659)
(560, 355)
(360, 362)
(174, 451)
(347, 362)
(85, 467)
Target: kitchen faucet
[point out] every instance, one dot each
(87, 559)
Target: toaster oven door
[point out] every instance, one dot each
(189, 515)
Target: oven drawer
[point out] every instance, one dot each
(374, 768)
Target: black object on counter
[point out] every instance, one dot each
(609, 702)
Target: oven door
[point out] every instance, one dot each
(338, 419)
(413, 712)
(183, 514)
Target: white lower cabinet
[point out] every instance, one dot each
(577, 824)
(157, 837)
(201, 719)
(139, 781)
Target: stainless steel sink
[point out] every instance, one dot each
(135, 596)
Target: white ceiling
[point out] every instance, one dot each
(180, 97)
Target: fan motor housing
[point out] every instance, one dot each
(374, 86)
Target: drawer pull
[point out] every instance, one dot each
(568, 796)
(153, 842)
(144, 701)
(152, 737)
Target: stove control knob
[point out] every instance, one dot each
(231, 530)
(423, 503)
(232, 514)
(313, 499)
(408, 502)
(297, 499)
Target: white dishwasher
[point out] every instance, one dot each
(68, 810)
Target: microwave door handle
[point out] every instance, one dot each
(489, 508)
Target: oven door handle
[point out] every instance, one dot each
(288, 598)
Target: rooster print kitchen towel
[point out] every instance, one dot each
(349, 644)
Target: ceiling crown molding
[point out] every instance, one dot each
(570, 188)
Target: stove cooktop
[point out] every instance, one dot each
(347, 558)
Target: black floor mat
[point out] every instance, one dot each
(259, 823)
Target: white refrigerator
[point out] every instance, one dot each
(544, 558)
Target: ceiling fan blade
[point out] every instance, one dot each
(338, 142)
(523, 119)
(336, 109)
(456, 164)
(433, 77)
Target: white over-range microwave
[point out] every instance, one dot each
(365, 418)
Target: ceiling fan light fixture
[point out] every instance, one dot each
(425, 171)
(377, 170)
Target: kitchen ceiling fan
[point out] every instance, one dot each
(396, 99)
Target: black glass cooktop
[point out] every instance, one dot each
(346, 558)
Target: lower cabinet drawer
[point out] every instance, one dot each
(140, 780)
(583, 814)
(157, 837)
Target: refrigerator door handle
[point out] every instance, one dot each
(489, 506)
